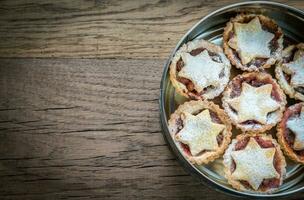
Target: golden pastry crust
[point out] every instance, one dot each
(233, 55)
(197, 106)
(210, 92)
(288, 54)
(258, 78)
(287, 149)
(228, 163)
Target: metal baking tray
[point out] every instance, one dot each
(211, 27)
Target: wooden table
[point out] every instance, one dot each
(79, 89)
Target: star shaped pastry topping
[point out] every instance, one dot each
(251, 41)
(201, 70)
(297, 69)
(199, 132)
(254, 103)
(296, 125)
(254, 164)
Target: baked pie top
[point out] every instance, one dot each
(254, 101)
(296, 125)
(297, 69)
(199, 70)
(290, 71)
(254, 163)
(201, 130)
(252, 42)
(290, 132)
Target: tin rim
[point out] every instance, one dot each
(186, 165)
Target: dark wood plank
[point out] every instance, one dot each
(89, 128)
(86, 129)
(100, 28)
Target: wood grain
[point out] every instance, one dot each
(86, 128)
(100, 28)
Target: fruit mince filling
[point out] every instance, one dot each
(267, 183)
(273, 44)
(288, 134)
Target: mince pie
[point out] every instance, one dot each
(254, 101)
(290, 71)
(199, 70)
(254, 163)
(290, 132)
(201, 131)
(252, 42)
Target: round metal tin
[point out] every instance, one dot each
(211, 27)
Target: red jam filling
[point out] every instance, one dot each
(188, 83)
(214, 56)
(197, 51)
(214, 117)
(267, 183)
(288, 134)
(186, 149)
(179, 65)
(273, 45)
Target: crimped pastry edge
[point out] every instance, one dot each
(192, 106)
